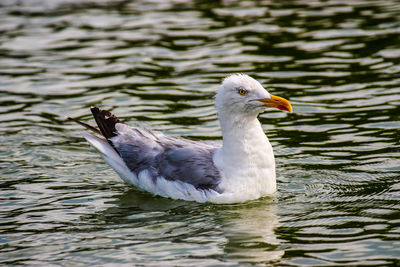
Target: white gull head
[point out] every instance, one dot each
(244, 96)
(246, 159)
(238, 95)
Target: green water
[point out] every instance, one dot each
(157, 64)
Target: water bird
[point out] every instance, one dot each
(241, 168)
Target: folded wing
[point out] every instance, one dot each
(174, 159)
(157, 155)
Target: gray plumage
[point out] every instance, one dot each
(170, 157)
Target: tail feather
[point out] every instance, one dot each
(111, 156)
(106, 122)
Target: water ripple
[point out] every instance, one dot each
(158, 64)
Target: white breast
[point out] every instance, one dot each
(247, 167)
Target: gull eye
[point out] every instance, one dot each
(242, 91)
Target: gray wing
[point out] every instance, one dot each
(169, 157)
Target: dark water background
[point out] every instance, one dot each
(158, 64)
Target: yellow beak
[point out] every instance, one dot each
(277, 102)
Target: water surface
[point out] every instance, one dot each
(157, 64)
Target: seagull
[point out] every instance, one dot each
(242, 168)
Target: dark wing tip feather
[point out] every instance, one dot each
(105, 121)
